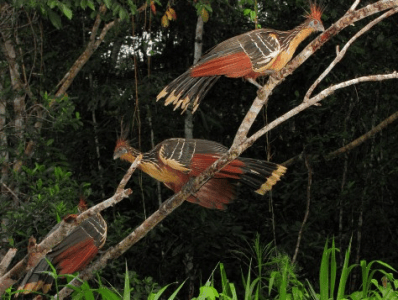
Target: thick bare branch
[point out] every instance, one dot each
(254, 110)
(354, 6)
(5, 262)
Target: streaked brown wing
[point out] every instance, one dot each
(261, 46)
(178, 153)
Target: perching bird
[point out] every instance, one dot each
(72, 254)
(175, 161)
(256, 53)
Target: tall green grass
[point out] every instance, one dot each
(268, 275)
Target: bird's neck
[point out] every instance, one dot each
(131, 155)
(297, 35)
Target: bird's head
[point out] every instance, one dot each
(314, 21)
(121, 149)
(124, 151)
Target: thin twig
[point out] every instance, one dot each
(322, 95)
(307, 209)
(364, 137)
(342, 52)
(354, 6)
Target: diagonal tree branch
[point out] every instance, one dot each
(364, 137)
(5, 262)
(88, 52)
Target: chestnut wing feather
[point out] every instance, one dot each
(260, 45)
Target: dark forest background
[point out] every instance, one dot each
(353, 195)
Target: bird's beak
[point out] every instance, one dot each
(116, 155)
(320, 27)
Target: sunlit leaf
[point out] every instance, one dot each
(205, 14)
(165, 21)
(172, 14)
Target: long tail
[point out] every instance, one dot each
(220, 191)
(36, 280)
(260, 175)
(186, 89)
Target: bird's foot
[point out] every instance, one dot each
(261, 93)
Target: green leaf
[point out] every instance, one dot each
(91, 4)
(246, 11)
(55, 19)
(126, 293)
(324, 273)
(67, 11)
(208, 292)
(107, 294)
(53, 3)
(123, 15)
(83, 4)
(108, 3)
(176, 291)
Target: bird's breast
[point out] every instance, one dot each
(161, 173)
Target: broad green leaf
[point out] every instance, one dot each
(67, 11)
(55, 19)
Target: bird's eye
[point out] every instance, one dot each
(315, 22)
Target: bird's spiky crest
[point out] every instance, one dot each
(122, 142)
(82, 204)
(316, 11)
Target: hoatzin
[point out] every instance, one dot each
(175, 161)
(72, 254)
(256, 53)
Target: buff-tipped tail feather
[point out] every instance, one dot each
(272, 180)
(260, 175)
(185, 90)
